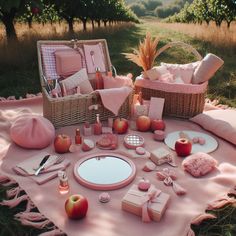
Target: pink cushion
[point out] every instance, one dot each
(49, 61)
(220, 122)
(182, 71)
(117, 82)
(156, 72)
(199, 164)
(68, 62)
(207, 68)
(32, 131)
(79, 79)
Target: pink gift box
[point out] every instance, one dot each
(133, 201)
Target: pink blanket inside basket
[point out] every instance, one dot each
(113, 98)
(171, 87)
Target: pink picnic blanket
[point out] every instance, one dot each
(108, 219)
(112, 99)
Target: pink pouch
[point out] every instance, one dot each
(68, 62)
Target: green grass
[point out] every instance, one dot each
(19, 69)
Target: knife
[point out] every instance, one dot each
(41, 165)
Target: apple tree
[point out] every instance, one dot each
(10, 9)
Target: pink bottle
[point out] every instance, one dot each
(97, 126)
(99, 79)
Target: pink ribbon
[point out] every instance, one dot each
(168, 177)
(147, 199)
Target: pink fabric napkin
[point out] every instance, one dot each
(113, 99)
(28, 166)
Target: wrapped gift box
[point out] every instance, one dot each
(133, 201)
(160, 156)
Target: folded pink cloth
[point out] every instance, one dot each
(28, 166)
(113, 99)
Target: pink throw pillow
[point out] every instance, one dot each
(117, 82)
(220, 122)
(68, 62)
(207, 68)
(199, 164)
(79, 79)
(49, 61)
(32, 132)
(156, 72)
(182, 71)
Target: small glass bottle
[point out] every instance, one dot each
(78, 138)
(99, 79)
(97, 126)
(63, 182)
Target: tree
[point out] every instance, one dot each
(9, 10)
(151, 5)
(138, 8)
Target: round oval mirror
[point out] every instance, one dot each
(105, 171)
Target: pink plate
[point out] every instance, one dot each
(132, 141)
(104, 171)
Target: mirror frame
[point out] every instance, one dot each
(105, 186)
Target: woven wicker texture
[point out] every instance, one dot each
(74, 109)
(179, 105)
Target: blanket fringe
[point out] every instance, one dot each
(4, 179)
(15, 201)
(55, 232)
(37, 225)
(13, 192)
(28, 218)
(10, 182)
(31, 216)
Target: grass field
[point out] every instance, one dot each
(18, 61)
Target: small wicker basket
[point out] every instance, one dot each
(74, 109)
(181, 105)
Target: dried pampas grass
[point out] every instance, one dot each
(146, 53)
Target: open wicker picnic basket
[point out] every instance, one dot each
(178, 104)
(74, 109)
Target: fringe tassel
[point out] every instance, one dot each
(33, 219)
(55, 232)
(30, 216)
(15, 201)
(38, 225)
(30, 206)
(13, 192)
(205, 216)
(10, 182)
(4, 179)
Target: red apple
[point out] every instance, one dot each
(157, 124)
(144, 184)
(143, 123)
(183, 147)
(62, 143)
(76, 206)
(120, 125)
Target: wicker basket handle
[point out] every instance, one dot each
(183, 45)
